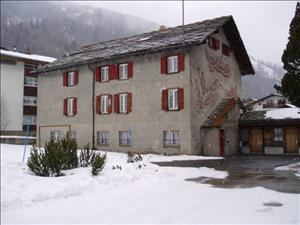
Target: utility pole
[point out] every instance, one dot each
(182, 19)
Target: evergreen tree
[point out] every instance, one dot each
(290, 83)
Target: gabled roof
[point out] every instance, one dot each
(157, 41)
(219, 115)
(33, 57)
(264, 98)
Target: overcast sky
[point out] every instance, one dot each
(264, 26)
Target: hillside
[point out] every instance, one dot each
(262, 83)
(56, 28)
(53, 29)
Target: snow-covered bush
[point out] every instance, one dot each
(47, 162)
(70, 159)
(131, 157)
(37, 162)
(98, 163)
(87, 156)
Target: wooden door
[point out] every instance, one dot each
(222, 142)
(256, 140)
(291, 144)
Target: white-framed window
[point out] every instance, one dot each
(30, 81)
(104, 73)
(171, 137)
(173, 64)
(102, 137)
(55, 135)
(125, 138)
(278, 134)
(123, 103)
(29, 119)
(74, 135)
(104, 103)
(70, 106)
(173, 99)
(30, 100)
(71, 76)
(123, 71)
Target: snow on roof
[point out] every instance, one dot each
(284, 113)
(27, 56)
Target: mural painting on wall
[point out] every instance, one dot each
(209, 92)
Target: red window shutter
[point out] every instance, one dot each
(181, 62)
(98, 104)
(116, 103)
(76, 77)
(111, 72)
(217, 44)
(65, 79)
(75, 106)
(164, 98)
(130, 69)
(180, 98)
(109, 103)
(209, 42)
(163, 65)
(129, 102)
(117, 71)
(65, 106)
(98, 74)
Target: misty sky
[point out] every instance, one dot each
(264, 26)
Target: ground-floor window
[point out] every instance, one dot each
(171, 137)
(55, 135)
(278, 134)
(125, 138)
(102, 137)
(74, 135)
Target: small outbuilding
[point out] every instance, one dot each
(274, 131)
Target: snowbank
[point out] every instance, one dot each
(151, 194)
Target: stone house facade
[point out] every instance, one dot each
(155, 92)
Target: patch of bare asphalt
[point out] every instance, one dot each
(247, 172)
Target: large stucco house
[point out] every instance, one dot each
(173, 91)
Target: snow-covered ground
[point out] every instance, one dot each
(293, 167)
(151, 194)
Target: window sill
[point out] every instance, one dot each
(124, 145)
(103, 81)
(172, 73)
(171, 145)
(28, 85)
(175, 110)
(102, 144)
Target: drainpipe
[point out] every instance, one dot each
(93, 106)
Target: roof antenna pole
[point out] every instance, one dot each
(183, 20)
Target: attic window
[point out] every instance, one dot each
(225, 50)
(213, 43)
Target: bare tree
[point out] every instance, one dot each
(4, 114)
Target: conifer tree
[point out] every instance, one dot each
(290, 83)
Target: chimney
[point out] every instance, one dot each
(162, 28)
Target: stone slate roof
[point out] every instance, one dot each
(219, 115)
(157, 41)
(258, 118)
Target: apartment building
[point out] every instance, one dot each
(19, 91)
(172, 91)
